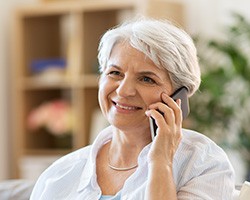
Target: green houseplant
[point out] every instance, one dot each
(221, 109)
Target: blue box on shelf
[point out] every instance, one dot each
(44, 64)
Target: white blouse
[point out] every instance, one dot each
(201, 170)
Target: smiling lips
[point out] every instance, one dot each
(126, 107)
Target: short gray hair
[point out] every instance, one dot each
(168, 46)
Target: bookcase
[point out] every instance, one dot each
(58, 30)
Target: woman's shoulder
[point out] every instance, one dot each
(197, 144)
(194, 139)
(75, 159)
(199, 161)
(71, 165)
(77, 155)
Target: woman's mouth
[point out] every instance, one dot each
(126, 107)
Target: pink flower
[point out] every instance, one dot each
(55, 116)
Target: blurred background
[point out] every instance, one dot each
(48, 75)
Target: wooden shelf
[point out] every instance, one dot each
(37, 83)
(90, 81)
(56, 7)
(47, 152)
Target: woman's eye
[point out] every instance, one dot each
(148, 80)
(114, 73)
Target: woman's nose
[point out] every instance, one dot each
(126, 88)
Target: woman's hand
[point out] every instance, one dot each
(168, 134)
(160, 177)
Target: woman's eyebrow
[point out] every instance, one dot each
(141, 73)
(115, 66)
(149, 73)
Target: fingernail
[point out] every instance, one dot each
(179, 102)
(147, 113)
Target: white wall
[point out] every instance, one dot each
(207, 17)
(203, 16)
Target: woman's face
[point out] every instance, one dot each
(128, 85)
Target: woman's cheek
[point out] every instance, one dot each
(154, 97)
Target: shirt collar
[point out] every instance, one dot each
(89, 170)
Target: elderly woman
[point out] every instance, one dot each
(142, 63)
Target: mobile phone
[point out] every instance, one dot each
(181, 94)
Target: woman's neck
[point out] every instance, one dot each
(125, 147)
